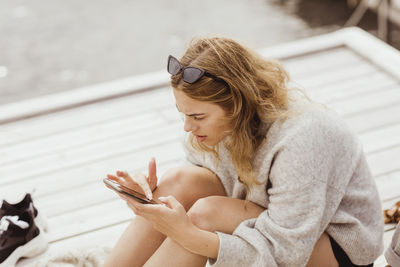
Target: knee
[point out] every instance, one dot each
(173, 180)
(203, 213)
(177, 182)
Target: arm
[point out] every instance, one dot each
(171, 219)
(310, 170)
(283, 235)
(202, 242)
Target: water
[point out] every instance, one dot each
(48, 46)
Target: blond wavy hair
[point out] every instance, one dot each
(257, 94)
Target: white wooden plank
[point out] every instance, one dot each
(374, 119)
(86, 115)
(82, 96)
(337, 94)
(88, 194)
(322, 79)
(304, 46)
(388, 187)
(384, 55)
(385, 161)
(75, 177)
(359, 80)
(381, 138)
(341, 55)
(55, 143)
(325, 61)
(93, 152)
(366, 102)
(88, 219)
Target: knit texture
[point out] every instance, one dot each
(320, 182)
(392, 253)
(78, 257)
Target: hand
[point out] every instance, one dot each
(169, 218)
(138, 182)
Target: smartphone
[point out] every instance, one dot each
(129, 192)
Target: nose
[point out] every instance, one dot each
(188, 126)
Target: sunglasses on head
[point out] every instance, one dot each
(189, 74)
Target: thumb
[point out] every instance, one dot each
(170, 202)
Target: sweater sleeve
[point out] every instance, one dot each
(299, 208)
(392, 253)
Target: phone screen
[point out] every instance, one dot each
(129, 192)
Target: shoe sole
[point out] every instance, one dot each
(33, 248)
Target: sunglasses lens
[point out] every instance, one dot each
(191, 75)
(173, 65)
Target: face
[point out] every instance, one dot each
(204, 120)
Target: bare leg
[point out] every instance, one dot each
(140, 240)
(205, 214)
(181, 256)
(322, 254)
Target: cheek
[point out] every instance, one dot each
(214, 127)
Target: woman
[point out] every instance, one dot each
(272, 179)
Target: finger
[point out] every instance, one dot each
(147, 190)
(152, 169)
(152, 178)
(171, 202)
(115, 178)
(112, 177)
(141, 180)
(153, 210)
(123, 174)
(140, 209)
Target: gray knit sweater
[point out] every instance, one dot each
(320, 181)
(392, 253)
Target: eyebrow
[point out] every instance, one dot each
(191, 115)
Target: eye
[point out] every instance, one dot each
(198, 119)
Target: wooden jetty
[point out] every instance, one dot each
(60, 146)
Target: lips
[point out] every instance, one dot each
(201, 138)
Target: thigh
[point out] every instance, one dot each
(322, 254)
(188, 184)
(221, 213)
(139, 241)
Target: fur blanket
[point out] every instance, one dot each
(79, 257)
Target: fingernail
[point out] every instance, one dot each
(149, 195)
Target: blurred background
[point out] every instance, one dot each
(48, 46)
